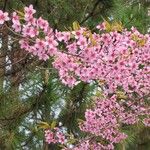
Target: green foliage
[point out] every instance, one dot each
(132, 13)
(75, 105)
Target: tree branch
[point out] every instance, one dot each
(91, 13)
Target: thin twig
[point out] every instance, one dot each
(91, 13)
(5, 4)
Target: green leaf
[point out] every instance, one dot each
(53, 124)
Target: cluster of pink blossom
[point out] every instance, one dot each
(116, 60)
(55, 136)
(91, 144)
(106, 119)
(36, 35)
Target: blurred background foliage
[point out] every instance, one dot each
(30, 90)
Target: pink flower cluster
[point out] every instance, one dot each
(36, 35)
(104, 120)
(108, 116)
(115, 60)
(91, 144)
(54, 136)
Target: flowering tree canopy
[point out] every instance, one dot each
(116, 59)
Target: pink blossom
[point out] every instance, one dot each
(146, 121)
(43, 24)
(3, 17)
(15, 18)
(55, 136)
(62, 36)
(16, 27)
(16, 22)
(29, 11)
(29, 31)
